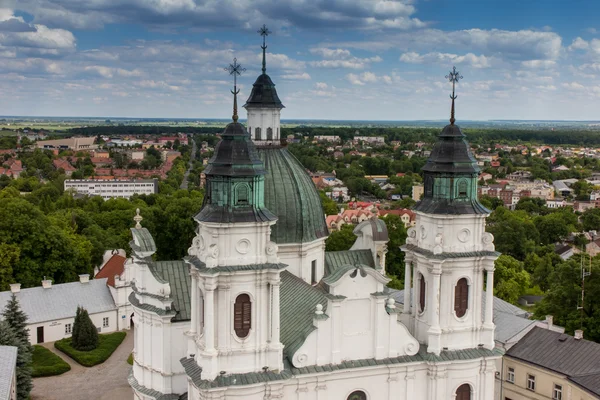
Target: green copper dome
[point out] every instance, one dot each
(291, 195)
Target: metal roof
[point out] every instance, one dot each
(336, 259)
(8, 365)
(144, 238)
(61, 301)
(558, 352)
(291, 195)
(263, 94)
(177, 274)
(298, 304)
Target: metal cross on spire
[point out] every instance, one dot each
(453, 77)
(235, 69)
(264, 32)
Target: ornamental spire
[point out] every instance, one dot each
(264, 32)
(138, 218)
(453, 77)
(235, 69)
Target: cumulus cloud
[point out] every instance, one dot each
(578, 44)
(323, 14)
(367, 77)
(446, 58)
(301, 76)
(537, 64)
(340, 58)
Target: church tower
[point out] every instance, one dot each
(234, 264)
(448, 252)
(263, 105)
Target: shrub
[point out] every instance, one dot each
(46, 363)
(130, 359)
(85, 334)
(107, 344)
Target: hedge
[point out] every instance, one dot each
(107, 344)
(46, 363)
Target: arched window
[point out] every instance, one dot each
(461, 297)
(421, 293)
(242, 315)
(463, 392)
(242, 194)
(462, 188)
(269, 133)
(257, 134)
(357, 395)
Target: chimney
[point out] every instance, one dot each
(84, 278)
(578, 334)
(47, 283)
(15, 287)
(549, 321)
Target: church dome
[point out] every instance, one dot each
(291, 195)
(263, 94)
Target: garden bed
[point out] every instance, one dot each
(46, 363)
(107, 344)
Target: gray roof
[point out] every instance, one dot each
(61, 301)
(8, 364)
(579, 360)
(144, 238)
(510, 320)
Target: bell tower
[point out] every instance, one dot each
(233, 263)
(263, 105)
(448, 251)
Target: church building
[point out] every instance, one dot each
(258, 310)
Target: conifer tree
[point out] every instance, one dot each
(16, 318)
(85, 333)
(8, 337)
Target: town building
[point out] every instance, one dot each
(118, 280)
(259, 310)
(373, 140)
(75, 143)
(546, 364)
(51, 309)
(8, 373)
(417, 192)
(109, 189)
(327, 138)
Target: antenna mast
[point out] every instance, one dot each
(584, 273)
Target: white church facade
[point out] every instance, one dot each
(258, 310)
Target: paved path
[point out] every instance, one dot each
(107, 381)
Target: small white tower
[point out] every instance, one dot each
(263, 105)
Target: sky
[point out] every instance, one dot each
(330, 59)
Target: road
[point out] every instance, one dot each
(184, 184)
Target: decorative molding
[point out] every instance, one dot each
(464, 235)
(242, 246)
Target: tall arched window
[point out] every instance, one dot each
(242, 315)
(269, 133)
(462, 188)
(463, 392)
(422, 294)
(242, 194)
(461, 297)
(357, 395)
(257, 134)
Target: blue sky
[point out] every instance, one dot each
(330, 59)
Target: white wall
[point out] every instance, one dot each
(55, 330)
(264, 118)
(418, 381)
(299, 258)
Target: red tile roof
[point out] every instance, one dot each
(114, 266)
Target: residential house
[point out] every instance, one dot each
(114, 270)
(593, 247)
(51, 309)
(546, 364)
(65, 165)
(8, 373)
(407, 216)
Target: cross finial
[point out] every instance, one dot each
(453, 77)
(264, 32)
(138, 218)
(235, 69)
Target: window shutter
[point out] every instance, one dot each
(242, 315)
(461, 297)
(422, 294)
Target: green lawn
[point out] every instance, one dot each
(107, 344)
(46, 363)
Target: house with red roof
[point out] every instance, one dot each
(114, 269)
(65, 165)
(407, 216)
